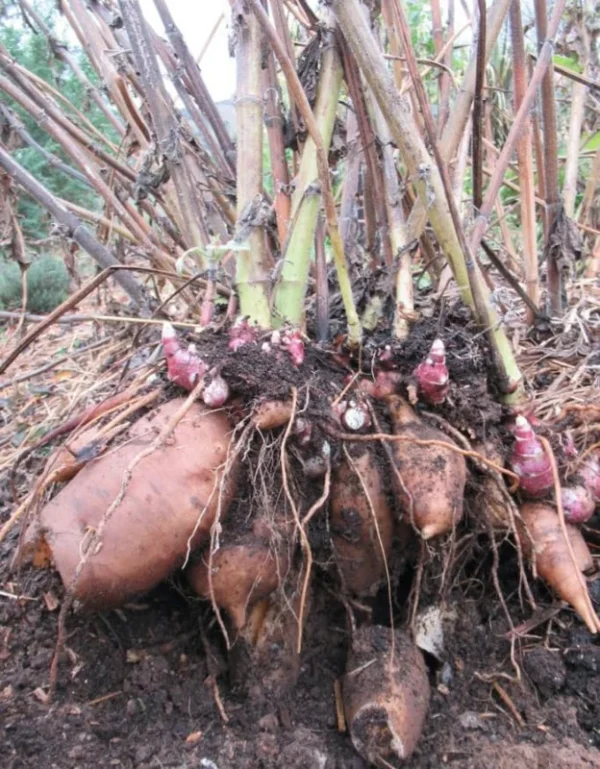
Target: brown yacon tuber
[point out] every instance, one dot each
(239, 574)
(168, 501)
(545, 540)
(386, 697)
(361, 522)
(429, 480)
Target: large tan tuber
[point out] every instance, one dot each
(361, 522)
(430, 480)
(385, 698)
(172, 494)
(553, 561)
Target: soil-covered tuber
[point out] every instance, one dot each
(239, 574)
(361, 522)
(386, 697)
(428, 480)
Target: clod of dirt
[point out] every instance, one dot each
(546, 669)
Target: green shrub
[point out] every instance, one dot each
(47, 285)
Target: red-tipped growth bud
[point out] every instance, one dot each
(294, 344)
(568, 444)
(577, 502)
(529, 461)
(386, 383)
(184, 367)
(240, 334)
(216, 392)
(386, 358)
(433, 380)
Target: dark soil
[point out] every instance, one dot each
(133, 691)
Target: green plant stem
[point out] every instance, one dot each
(504, 359)
(252, 274)
(354, 327)
(291, 288)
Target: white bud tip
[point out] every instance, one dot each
(520, 421)
(168, 331)
(354, 418)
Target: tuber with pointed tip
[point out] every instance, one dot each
(184, 367)
(553, 561)
(433, 380)
(242, 571)
(429, 480)
(386, 695)
(529, 461)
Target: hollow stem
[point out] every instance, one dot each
(291, 287)
(252, 273)
(525, 162)
(354, 327)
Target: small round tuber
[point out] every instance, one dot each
(216, 392)
(577, 503)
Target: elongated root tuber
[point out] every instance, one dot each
(166, 504)
(429, 480)
(386, 695)
(553, 560)
(361, 522)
